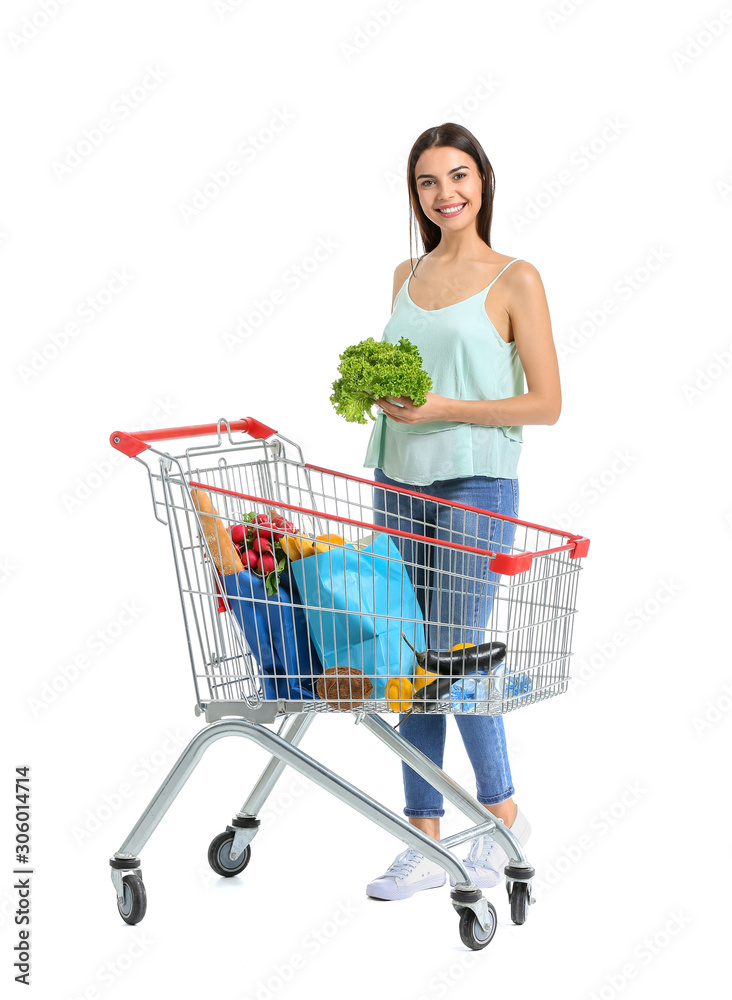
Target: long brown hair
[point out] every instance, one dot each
(448, 134)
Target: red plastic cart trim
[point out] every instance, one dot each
(581, 547)
(132, 444)
(581, 544)
(513, 564)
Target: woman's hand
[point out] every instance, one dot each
(434, 408)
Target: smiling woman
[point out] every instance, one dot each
(481, 323)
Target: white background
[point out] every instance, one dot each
(624, 778)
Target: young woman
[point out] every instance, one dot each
(481, 322)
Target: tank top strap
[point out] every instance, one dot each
(501, 272)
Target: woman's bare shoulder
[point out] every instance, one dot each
(402, 270)
(522, 275)
(401, 273)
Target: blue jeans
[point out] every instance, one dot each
(455, 591)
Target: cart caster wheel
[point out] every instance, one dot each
(472, 934)
(520, 892)
(134, 904)
(219, 859)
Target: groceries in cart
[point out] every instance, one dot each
(260, 599)
(258, 540)
(339, 620)
(359, 599)
(318, 604)
(467, 675)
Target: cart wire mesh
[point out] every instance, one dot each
(407, 578)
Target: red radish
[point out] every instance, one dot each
(237, 534)
(261, 544)
(266, 563)
(262, 519)
(250, 558)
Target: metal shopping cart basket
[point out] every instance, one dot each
(354, 611)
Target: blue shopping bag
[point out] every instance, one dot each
(355, 600)
(277, 634)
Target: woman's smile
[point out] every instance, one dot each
(448, 210)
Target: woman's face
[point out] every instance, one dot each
(448, 178)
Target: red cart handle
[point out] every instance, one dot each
(133, 444)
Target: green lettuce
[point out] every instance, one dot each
(370, 370)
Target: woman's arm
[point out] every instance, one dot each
(532, 331)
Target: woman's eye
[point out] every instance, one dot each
(460, 173)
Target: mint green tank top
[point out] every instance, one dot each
(467, 359)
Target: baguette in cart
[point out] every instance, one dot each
(298, 601)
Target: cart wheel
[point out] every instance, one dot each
(472, 934)
(219, 859)
(134, 904)
(519, 896)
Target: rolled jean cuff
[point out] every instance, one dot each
(425, 813)
(494, 800)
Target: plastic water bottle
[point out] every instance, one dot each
(477, 689)
(481, 689)
(518, 686)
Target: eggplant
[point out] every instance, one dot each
(462, 661)
(431, 693)
(453, 664)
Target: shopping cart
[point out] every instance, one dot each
(351, 621)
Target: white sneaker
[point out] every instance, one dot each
(409, 872)
(485, 860)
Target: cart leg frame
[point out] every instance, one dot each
(294, 730)
(287, 754)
